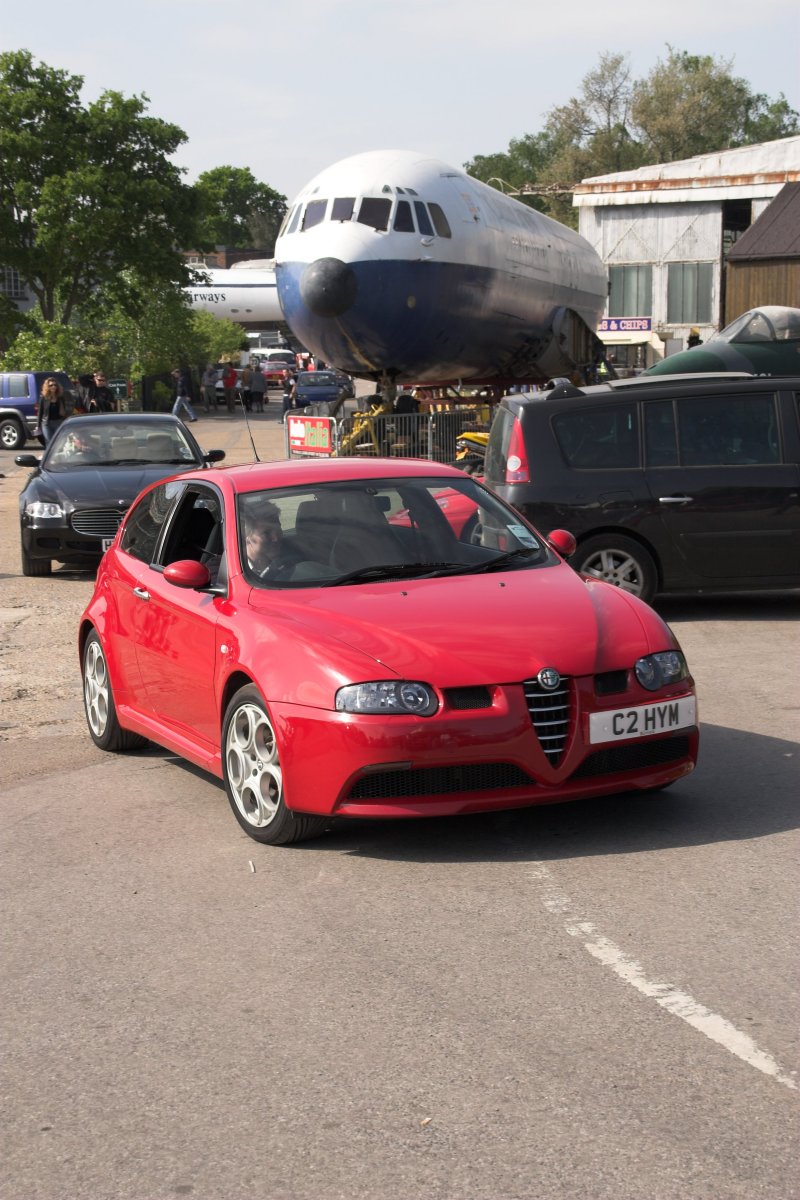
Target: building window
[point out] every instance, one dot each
(10, 284)
(689, 293)
(631, 291)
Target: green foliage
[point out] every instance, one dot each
(237, 210)
(89, 201)
(50, 346)
(687, 105)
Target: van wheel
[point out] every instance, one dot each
(12, 435)
(618, 560)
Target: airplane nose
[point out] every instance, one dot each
(328, 287)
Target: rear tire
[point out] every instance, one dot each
(98, 702)
(253, 777)
(619, 560)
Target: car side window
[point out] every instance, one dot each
(196, 530)
(18, 387)
(146, 520)
(600, 437)
(660, 438)
(728, 430)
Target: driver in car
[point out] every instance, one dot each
(268, 554)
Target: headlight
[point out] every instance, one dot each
(36, 509)
(388, 696)
(657, 670)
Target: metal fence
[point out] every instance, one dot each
(430, 435)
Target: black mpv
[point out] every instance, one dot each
(670, 484)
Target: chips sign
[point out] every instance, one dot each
(310, 435)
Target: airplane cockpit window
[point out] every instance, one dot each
(403, 220)
(439, 220)
(314, 214)
(290, 228)
(287, 218)
(423, 220)
(375, 212)
(342, 208)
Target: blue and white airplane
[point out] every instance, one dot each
(397, 267)
(246, 293)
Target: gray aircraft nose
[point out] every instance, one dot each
(328, 287)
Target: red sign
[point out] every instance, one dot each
(310, 435)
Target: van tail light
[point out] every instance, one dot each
(516, 459)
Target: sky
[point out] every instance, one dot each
(289, 89)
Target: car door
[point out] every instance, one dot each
(727, 497)
(176, 628)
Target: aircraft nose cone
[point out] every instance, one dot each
(328, 287)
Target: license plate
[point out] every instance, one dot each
(642, 721)
(106, 544)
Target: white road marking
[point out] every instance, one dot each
(671, 998)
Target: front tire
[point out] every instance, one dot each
(618, 560)
(98, 702)
(253, 776)
(13, 435)
(35, 566)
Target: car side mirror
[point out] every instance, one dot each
(187, 573)
(27, 460)
(562, 542)
(214, 455)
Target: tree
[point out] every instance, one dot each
(90, 204)
(521, 165)
(237, 210)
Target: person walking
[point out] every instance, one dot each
(52, 409)
(100, 397)
(183, 394)
(229, 384)
(258, 389)
(208, 382)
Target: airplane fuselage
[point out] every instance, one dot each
(393, 264)
(248, 296)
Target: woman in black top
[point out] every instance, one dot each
(52, 409)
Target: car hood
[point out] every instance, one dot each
(103, 485)
(480, 629)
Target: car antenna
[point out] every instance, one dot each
(249, 430)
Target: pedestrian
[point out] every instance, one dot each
(52, 409)
(208, 382)
(183, 382)
(244, 385)
(289, 388)
(258, 389)
(694, 338)
(100, 397)
(229, 385)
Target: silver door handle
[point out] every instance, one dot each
(142, 593)
(674, 499)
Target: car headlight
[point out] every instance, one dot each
(36, 509)
(655, 671)
(388, 696)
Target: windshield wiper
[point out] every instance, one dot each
(417, 570)
(502, 560)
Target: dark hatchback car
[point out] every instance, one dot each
(315, 387)
(94, 468)
(676, 484)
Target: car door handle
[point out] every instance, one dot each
(142, 593)
(674, 499)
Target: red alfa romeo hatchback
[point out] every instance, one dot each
(374, 638)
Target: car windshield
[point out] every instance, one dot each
(316, 379)
(94, 442)
(367, 531)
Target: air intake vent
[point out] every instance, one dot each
(468, 697)
(97, 522)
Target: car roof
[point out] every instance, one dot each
(697, 383)
(139, 418)
(301, 472)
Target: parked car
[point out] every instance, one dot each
(670, 484)
(318, 387)
(274, 364)
(19, 402)
(77, 494)
(276, 626)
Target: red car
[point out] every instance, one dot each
(274, 625)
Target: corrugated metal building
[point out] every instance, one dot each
(665, 232)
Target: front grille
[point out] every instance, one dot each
(97, 522)
(550, 714)
(633, 757)
(438, 781)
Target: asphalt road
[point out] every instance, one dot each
(597, 1000)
